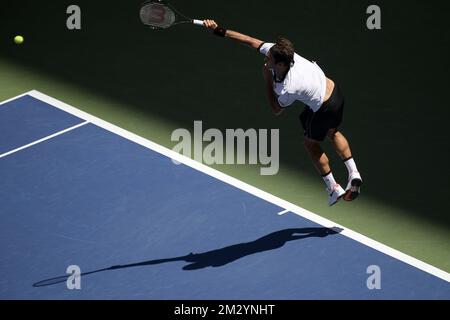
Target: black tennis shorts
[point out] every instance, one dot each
(317, 124)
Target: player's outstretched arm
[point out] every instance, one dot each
(242, 38)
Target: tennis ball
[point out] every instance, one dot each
(18, 39)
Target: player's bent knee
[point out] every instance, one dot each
(331, 133)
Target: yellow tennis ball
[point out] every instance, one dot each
(18, 39)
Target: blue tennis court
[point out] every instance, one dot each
(73, 192)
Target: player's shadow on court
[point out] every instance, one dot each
(222, 256)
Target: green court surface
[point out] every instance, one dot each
(153, 82)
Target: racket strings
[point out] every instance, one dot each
(157, 15)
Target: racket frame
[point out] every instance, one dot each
(179, 17)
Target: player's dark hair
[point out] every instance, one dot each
(283, 51)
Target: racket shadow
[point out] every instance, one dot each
(222, 256)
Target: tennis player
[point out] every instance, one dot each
(288, 78)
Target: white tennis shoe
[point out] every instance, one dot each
(335, 194)
(353, 187)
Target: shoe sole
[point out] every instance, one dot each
(353, 193)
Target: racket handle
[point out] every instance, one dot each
(198, 22)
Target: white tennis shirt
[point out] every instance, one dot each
(305, 81)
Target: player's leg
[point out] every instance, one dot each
(332, 117)
(314, 133)
(340, 144)
(342, 148)
(321, 163)
(318, 156)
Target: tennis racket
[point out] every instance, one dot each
(161, 15)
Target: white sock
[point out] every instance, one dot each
(329, 180)
(351, 165)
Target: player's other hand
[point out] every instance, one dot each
(210, 24)
(266, 71)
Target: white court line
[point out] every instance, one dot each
(43, 139)
(244, 186)
(14, 98)
(283, 212)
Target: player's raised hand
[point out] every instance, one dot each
(210, 24)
